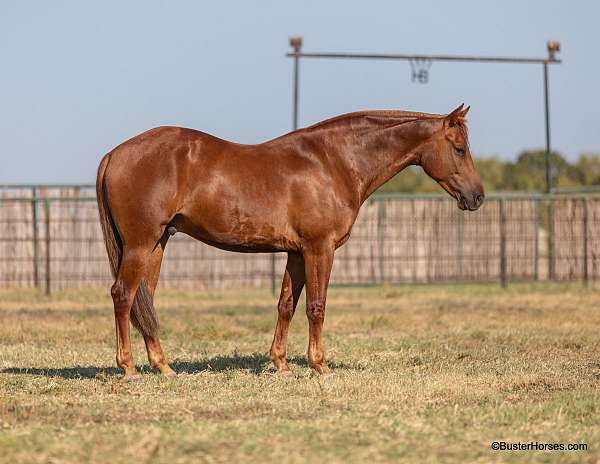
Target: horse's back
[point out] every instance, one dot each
(231, 195)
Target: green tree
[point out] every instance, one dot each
(528, 173)
(492, 172)
(587, 169)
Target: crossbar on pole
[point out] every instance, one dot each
(552, 46)
(389, 56)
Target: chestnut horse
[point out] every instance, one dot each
(299, 193)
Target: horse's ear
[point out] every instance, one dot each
(457, 116)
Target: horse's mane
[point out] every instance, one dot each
(376, 120)
(386, 116)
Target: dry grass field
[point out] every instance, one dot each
(423, 374)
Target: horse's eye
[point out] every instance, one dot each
(460, 151)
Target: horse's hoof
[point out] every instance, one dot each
(285, 373)
(328, 375)
(321, 369)
(170, 374)
(132, 378)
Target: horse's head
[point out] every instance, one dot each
(447, 159)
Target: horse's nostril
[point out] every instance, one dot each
(478, 198)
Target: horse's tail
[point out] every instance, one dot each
(143, 315)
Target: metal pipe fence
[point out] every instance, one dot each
(50, 238)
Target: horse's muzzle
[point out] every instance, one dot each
(470, 201)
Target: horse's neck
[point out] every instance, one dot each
(379, 154)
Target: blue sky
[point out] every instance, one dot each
(78, 78)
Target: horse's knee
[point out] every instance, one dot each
(316, 310)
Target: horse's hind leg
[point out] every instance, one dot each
(130, 274)
(156, 357)
(291, 288)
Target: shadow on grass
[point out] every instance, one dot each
(256, 363)
(76, 372)
(334, 365)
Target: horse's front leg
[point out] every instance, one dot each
(291, 288)
(317, 267)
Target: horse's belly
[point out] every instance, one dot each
(231, 230)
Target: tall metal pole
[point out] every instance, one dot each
(296, 44)
(549, 179)
(553, 48)
(547, 116)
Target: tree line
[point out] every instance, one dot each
(526, 174)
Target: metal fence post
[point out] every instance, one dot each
(381, 238)
(551, 257)
(585, 242)
(34, 221)
(460, 232)
(536, 251)
(273, 283)
(47, 212)
(503, 264)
